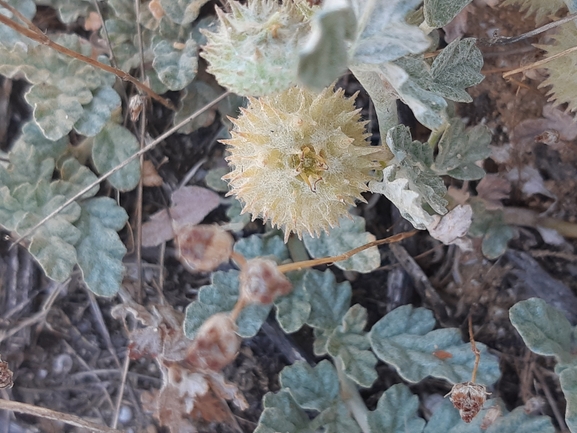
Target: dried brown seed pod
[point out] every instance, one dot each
(5, 375)
(202, 248)
(468, 398)
(261, 282)
(215, 345)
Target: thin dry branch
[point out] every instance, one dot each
(540, 63)
(118, 167)
(36, 34)
(42, 412)
(328, 260)
(503, 40)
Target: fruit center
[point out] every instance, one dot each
(310, 166)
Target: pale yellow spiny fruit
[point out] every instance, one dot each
(300, 159)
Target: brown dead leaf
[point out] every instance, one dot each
(191, 204)
(553, 121)
(494, 188)
(5, 375)
(453, 226)
(157, 229)
(150, 176)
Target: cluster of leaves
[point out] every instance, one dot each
(546, 331)
(405, 338)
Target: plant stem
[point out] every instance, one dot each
(384, 99)
(526, 217)
(352, 398)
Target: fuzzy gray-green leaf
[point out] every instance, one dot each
(100, 250)
(96, 113)
(268, 246)
(176, 67)
(460, 149)
(405, 338)
(73, 177)
(396, 412)
(329, 300)
(282, 414)
(439, 13)
(112, 146)
(221, 296)
(57, 109)
(293, 310)
(386, 36)
(349, 342)
(32, 135)
(428, 107)
(336, 419)
(324, 57)
(544, 329)
(312, 388)
(349, 234)
(456, 68)
(182, 11)
(568, 381)
(8, 36)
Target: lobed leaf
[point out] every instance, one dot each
(112, 146)
(385, 36)
(568, 381)
(311, 387)
(428, 107)
(491, 225)
(176, 66)
(457, 67)
(349, 342)
(336, 419)
(350, 233)
(262, 246)
(324, 57)
(44, 148)
(329, 301)
(544, 329)
(409, 182)
(405, 338)
(57, 108)
(460, 149)
(8, 36)
(396, 412)
(100, 250)
(293, 310)
(439, 13)
(282, 414)
(182, 11)
(98, 111)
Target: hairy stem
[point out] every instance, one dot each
(352, 398)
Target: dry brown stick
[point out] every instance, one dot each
(42, 412)
(328, 260)
(37, 35)
(502, 40)
(118, 167)
(540, 63)
(550, 399)
(474, 349)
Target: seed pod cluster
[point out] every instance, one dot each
(261, 282)
(202, 248)
(216, 344)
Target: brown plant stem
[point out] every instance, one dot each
(42, 412)
(526, 217)
(328, 260)
(540, 63)
(36, 34)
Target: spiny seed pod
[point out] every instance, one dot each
(255, 50)
(468, 398)
(202, 248)
(300, 159)
(261, 282)
(215, 345)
